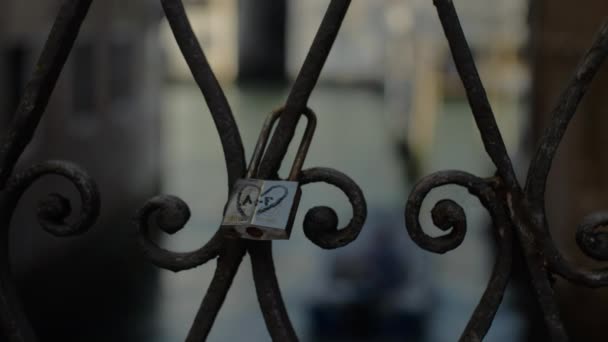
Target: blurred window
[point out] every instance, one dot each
(14, 77)
(83, 79)
(121, 70)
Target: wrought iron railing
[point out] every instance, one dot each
(518, 212)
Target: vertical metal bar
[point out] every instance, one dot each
(210, 87)
(267, 288)
(476, 94)
(268, 291)
(304, 84)
(537, 269)
(568, 102)
(53, 215)
(228, 264)
(35, 98)
(40, 87)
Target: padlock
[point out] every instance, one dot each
(261, 209)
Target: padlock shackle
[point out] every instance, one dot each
(260, 147)
(311, 125)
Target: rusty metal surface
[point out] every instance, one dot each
(54, 210)
(515, 210)
(518, 213)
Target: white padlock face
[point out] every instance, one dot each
(274, 204)
(266, 205)
(243, 201)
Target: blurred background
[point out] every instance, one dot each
(391, 109)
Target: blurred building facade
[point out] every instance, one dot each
(104, 116)
(379, 40)
(495, 29)
(399, 47)
(215, 24)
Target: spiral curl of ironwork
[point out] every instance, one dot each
(54, 215)
(449, 216)
(513, 209)
(54, 211)
(523, 209)
(321, 223)
(588, 237)
(591, 239)
(170, 214)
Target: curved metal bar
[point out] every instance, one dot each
(321, 223)
(536, 260)
(171, 214)
(53, 213)
(40, 87)
(449, 215)
(541, 164)
(14, 324)
(561, 116)
(594, 278)
(210, 87)
(476, 94)
(55, 209)
(268, 292)
(304, 84)
(485, 311)
(543, 287)
(267, 288)
(483, 316)
(228, 263)
(590, 239)
(528, 221)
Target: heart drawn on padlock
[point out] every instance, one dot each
(272, 197)
(247, 199)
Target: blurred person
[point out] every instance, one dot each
(379, 291)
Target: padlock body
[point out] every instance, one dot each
(261, 209)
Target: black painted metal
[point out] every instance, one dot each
(518, 212)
